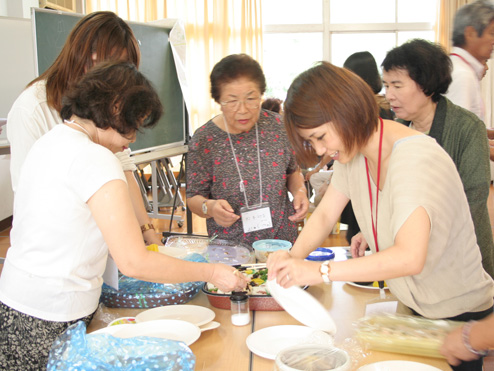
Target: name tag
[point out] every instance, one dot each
(383, 304)
(256, 218)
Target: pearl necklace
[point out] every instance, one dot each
(81, 127)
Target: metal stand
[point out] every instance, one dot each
(164, 186)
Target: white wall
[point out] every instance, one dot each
(17, 8)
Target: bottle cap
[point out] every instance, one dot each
(239, 296)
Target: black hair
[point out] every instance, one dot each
(364, 65)
(233, 67)
(426, 63)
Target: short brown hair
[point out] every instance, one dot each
(326, 93)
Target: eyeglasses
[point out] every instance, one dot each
(249, 103)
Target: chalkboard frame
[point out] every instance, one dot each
(50, 30)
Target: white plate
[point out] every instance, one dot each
(369, 287)
(191, 313)
(164, 328)
(268, 341)
(302, 306)
(109, 329)
(398, 366)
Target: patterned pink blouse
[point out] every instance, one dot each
(211, 172)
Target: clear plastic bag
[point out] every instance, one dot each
(403, 334)
(312, 357)
(76, 350)
(213, 249)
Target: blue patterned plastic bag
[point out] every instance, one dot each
(135, 293)
(75, 350)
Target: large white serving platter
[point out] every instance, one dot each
(369, 287)
(191, 313)
(398, 366)
(165, 329)
(268, 341)
(302, 306)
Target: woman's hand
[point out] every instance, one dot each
(289, 271)
(300, 204)
(454, 350)
(358, 245)
(227, 278)
(222, 213)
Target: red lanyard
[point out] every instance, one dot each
(374, 227)
(464, 60)
(482, 107)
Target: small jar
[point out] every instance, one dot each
(239, 302)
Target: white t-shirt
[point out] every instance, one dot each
(57, 257)
(421, 174)
(28, 120)
(465, 89)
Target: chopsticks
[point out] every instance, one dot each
(247, 266)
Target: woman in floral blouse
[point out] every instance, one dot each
(240, 165)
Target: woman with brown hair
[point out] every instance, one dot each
(99, 36)
(401, 184)
(72, 209)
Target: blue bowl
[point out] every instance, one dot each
(321, 254)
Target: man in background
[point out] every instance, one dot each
(473, 42)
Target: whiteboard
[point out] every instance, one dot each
(17, 67)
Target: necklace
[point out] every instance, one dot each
(242, 184)
(79, 126)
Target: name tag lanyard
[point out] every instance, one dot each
(482, 108)
(374, 226)
(256, 217)
(241, 184)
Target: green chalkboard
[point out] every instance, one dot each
(52, 29)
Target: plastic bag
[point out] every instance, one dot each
(397, 333)
(135, 293)
(76, 350)
(312, 357)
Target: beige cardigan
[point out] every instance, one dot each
(421, 173)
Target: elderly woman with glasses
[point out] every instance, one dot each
(240, 165)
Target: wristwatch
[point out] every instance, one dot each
(205, 207)
(324, 269)
(146, 227)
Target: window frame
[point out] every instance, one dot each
(328, 29)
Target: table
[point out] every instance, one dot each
(4, 149)
(224, 348)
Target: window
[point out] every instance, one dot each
(296, 36)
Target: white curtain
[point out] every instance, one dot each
(213, 30)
